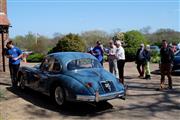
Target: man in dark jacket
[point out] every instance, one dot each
(167, 57)
(140, 61)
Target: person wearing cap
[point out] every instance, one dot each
(140, 61)
(14, 54)
(98, 52)
(112, 58)
(120, 55)
(147, 59)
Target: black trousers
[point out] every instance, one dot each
(140, 68)
(13, 68)
(120, 64)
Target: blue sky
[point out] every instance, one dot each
(47, 17)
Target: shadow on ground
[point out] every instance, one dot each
(72, 108)
(164, 101)
(157, 72)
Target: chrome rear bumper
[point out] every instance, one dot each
(97, 97)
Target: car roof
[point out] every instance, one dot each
(154, 46)
(177, 52)
(69, 56)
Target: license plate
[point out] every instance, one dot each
(106, 86)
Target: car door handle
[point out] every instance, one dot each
(36, 76)
(27, 71)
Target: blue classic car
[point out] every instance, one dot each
(176, 62)
(71, 76)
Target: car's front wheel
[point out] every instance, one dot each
(59, 95)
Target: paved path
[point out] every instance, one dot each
(142, 103)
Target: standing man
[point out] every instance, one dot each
(120, 55)
(167, 57)
(98, 52)
(14, 54)
(140, 61)
(112, 58)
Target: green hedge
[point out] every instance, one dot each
(130, 54)
(35, 57)
(155, 57)
(70, 42)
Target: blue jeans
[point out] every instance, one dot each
(13, 68)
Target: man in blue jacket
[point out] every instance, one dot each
(14, 54)
(98, 52)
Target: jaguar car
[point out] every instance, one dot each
(71, 76)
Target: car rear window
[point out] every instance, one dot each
(84, 63)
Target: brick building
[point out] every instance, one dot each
(4, 24)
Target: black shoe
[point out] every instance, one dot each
(170, 88)
(14, 84)
(148, 77)
(159, 89)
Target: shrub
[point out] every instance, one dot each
(130, 54)
(70, 42)
(105, 57)
(35, 57)
(155, 56)
(132, 40)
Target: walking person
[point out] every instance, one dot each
(147, 62)
(14, 54)
(167, 57)
(120, 55)
(112, 58)
(140, 61)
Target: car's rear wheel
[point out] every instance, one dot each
(21, 82)
(59, 95)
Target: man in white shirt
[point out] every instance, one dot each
(120, 55)
(112, 58)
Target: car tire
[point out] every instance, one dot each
(21, 82)
(58, 95)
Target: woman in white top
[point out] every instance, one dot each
(120, 55)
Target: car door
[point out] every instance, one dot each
(49, 71)
(53, 73)
(41, 76)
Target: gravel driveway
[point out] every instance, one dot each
(142, 103)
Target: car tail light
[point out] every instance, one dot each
(89, 85)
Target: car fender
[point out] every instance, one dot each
(70, 85)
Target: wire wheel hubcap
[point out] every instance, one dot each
(59, 95)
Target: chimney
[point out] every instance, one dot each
(3, 7)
